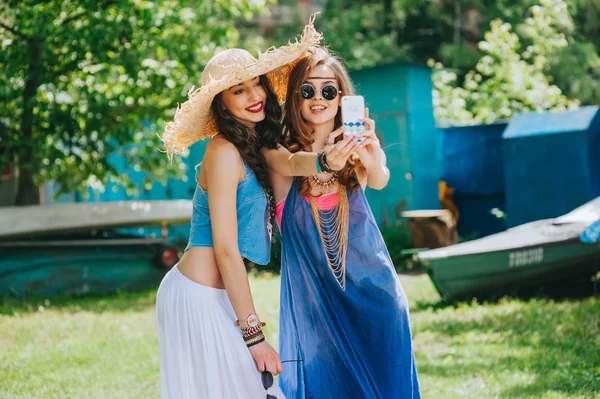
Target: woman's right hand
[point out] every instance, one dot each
(337, 154)
(266, 358)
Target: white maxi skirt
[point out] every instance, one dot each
(202, 354)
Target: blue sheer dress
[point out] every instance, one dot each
(350, 344)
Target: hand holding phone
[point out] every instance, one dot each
(353, 109)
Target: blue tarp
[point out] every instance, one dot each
(591, 235)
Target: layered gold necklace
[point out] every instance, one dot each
(333, 229)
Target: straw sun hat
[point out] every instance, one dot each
(194, 120)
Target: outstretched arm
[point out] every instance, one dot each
(302, 163)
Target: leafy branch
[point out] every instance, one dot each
(12, 30)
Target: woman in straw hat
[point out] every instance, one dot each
(211, 340)
(355, 342)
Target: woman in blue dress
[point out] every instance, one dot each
(344, 316)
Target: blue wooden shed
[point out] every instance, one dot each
(473, 165)
(399, 99)
(552, 163)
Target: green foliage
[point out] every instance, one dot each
(362, 32)
(397, 239)
(368, 33)
(84, 80)
(576, 68)
(509, 78)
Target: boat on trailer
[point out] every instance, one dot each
(81, 248)
(559, 256)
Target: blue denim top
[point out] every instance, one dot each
(252, 216)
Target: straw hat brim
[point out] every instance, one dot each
(194, 120)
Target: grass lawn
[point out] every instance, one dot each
(106, 347)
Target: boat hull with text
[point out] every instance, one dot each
(545, 256)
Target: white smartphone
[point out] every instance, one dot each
(353, 108)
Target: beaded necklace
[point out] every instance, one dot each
(332, 225)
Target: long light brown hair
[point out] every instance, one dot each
(299, 133)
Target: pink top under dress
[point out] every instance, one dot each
(324, 203)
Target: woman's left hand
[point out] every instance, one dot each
(369, 150)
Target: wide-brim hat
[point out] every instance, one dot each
(194, 119)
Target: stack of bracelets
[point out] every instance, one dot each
(253, 335)
(322, 166)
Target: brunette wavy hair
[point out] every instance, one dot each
(249, 142)
(299, 135)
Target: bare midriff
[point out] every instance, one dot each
(200, 265)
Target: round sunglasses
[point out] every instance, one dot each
(308, 91)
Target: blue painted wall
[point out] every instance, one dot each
(173, 189)
(399, 100)
(426, 140)
(594, 155)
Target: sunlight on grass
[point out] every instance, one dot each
(106, 347)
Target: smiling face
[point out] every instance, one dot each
(246, 102)
(318, 110)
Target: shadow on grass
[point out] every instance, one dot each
(556, 343)
(122, 300)
(119, 301)
(555, 292)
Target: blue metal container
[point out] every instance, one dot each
(552, 163)
(473, 165)
(399, 99)
(472, 159)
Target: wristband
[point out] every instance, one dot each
(318, 161)
(254, 339)
(249, 345)
(324, 164)
(247, 332)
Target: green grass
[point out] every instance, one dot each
(106, 347)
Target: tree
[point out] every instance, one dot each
(576, 67)
(84, 79)
(364, 33)
(508, 78)
(369, 32)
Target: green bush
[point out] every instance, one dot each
(397, 240)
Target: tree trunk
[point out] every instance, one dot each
(27, 192)
(457, 28)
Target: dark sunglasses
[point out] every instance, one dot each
(329, 92)
(268, 379)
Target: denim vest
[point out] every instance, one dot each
(253, 239)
